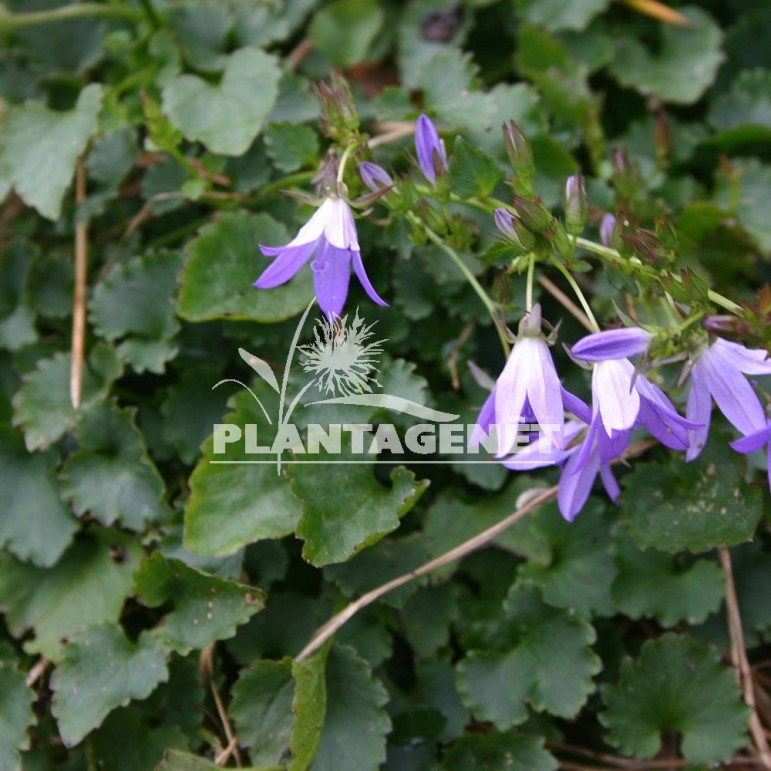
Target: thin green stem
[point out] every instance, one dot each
(18, 20)
(343, 161)
(579, 294)
(529, 285)
(470, 277)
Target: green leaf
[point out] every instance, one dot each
(472, 171)
(15, 715)
(676, 686)
(345, 508)
(450, 91)
(345, 30)
(137, 299)
(224, 261)
(34, 525)
(205, 608)
(754, 181)
(580, 570)
(747, 103)
(548, 665)
(355, 723)
(141, 745)
(650, 583)
(17, 319)
(86, 587)
(262, 710)
(309, 707)
(232, 504)
(495, 751)
(557, 16)
(39, 148)
(291, 146)
(111, 476)
(226, 117)
(561, 79)
(101, 670)
(695, 506)
(682, 68)
(43, 406)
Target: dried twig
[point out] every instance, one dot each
(206, 668)
(565, 301)
(391, 131)
(739, 659)
(79, 296)
(37, 671)
(452, 361)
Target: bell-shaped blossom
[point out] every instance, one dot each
(527, 390)
(623, 398)
(330, 238)
(718, 373)
(758, 440)
(375, 177)
(432, 156)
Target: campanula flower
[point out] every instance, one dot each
(718, 373)
(527, 390)
(624, 398)
(432, 156)
(374, 177)
(330, 238)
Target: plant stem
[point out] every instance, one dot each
(579, 294)
(529, 285)
(470, 277)
(341, 168)
(18, 20)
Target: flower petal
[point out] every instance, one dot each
(698, 410)
(289, 260)
(609, 481)
(540, 453)
(544, 391)
(331, 275)
(613, 394)
(358, 269)
(612, 344)
(577, 406)
(510, 396)
(485, 419)
(731, 391)
(339, 228)
(312, 230)
(753, 442)
(750, 361)
(576, 484)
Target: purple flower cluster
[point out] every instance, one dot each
(623, 399)
(528, 391)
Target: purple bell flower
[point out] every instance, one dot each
(607, 230)
(718, 373)
(623, 398)
(432, 156)
(330, 236)
(528, 390)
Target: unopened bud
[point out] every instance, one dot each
(557, 236)
(518, 149)
(647, 245)
(374, 177)
(608, 230)
(576, 205)
(534, 215)
(339, 117)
